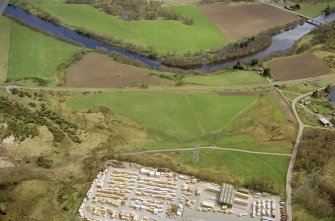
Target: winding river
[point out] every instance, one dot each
(280, 42)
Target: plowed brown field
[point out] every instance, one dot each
(298, 67)
(243, 20)
(96, 70)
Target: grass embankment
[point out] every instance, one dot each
(34, 57)
(226, 78)
(186, 120)
(5, 25)
(165, 36)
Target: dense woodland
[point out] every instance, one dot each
(135, 9)
(325, 35)
(315, 151)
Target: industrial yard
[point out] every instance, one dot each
(125, 191)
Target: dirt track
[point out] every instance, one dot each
(237, 21)
(298, 67)
(97, 71)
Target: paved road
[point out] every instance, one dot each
(204, 148)
(293, 158)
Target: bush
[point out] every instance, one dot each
(43, 162)
(264, 183)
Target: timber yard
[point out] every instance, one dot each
(125, 191)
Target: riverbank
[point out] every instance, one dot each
(245, 50)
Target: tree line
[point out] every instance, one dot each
(135, 9)
(230, 52)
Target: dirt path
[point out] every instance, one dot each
(204, 148)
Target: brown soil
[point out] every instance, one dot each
(298, 67)
(237, 21)
(96, 70)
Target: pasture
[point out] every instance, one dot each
(244, 20)
(5, 25)
(178, 119)
(36, 56)
(165, 36)
(97, 71)
(314, 9)
(297, 67)
(226, 78)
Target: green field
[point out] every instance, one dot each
(242, 165)
(227, 78)
(185, 120)
(5, 25)
(165, 36)
(314, 9)
(34, 55)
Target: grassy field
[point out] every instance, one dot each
(165, 36)
(173, 116)
(5, 25)
(36, 56)
(243, 166)
(185, 120)
(314, 9)
(227, 78)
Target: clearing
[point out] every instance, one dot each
(5, 25)
(298, 67)
(96, 71)
(243, 20)
(203, 35)
(36, 62)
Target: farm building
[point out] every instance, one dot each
(324, 121)
(227, 195)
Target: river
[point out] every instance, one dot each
(280, 42)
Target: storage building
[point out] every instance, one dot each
(227, 195)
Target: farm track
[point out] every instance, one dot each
(204, 148)
(238, 88)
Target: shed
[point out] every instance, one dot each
(324, 121)
(227, 195)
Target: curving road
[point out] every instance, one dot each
(294, 155)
